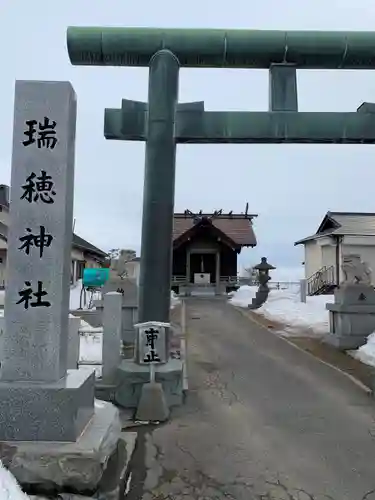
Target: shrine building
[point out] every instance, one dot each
(206, 248)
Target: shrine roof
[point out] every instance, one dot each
(237, 227)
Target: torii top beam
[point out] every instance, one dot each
(219, 48)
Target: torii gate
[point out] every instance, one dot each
(163, 122)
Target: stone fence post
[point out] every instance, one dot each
(112, 330)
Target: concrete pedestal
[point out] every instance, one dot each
(96, 463)
(129, 318)
(131, 377)
(351, 316)
(73, 343)
(56, 411)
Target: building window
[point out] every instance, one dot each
(80, 268)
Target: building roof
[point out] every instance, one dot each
(79, 242)
(237, 227)
(344, 224)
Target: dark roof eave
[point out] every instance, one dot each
(184, 237)
(95, 252)
(99, 253)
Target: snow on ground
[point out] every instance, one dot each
(91, 346)
(285, 306)
(9, 488)
(366, 353)
(87, 297)
(174, 300)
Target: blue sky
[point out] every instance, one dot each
(289, 186)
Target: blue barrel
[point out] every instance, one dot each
(95, 277)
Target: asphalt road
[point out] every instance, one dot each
(262, 421)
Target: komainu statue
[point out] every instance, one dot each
(355, 270)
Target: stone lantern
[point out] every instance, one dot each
(263, 271)
(263, 277)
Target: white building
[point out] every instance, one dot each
(340, 233)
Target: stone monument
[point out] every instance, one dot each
(352, 315)
(51, 433)
(120, 283)
(112, 319)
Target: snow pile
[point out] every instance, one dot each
(87, 297)
(366, 353)
(174, 300)
(285, 306)
(9, 488)
(243, 296)
(87, 328)
(91, 346)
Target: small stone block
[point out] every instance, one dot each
(345, 342)
(353, 294)
(57, 411)
(89, 465)
(73, 344)
(112, 324)
(131, 377)
(105, 392)
(152, 405)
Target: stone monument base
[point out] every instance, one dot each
(96, 463)
(131, 377)
(351, 316)
(35, 411)
(344, 342)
